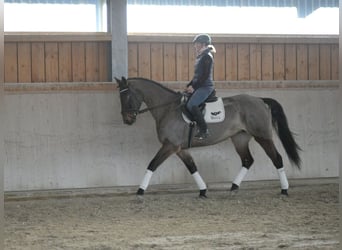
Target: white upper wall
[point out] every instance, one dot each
(230, 20)
(172, 19)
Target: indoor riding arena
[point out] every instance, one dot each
(72, 167)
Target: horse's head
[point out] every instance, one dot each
(130, 101)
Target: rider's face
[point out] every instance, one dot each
(198, 46)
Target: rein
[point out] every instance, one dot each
(154, 107)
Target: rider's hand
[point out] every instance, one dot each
(190, 89)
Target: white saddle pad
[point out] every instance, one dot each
(213, 112)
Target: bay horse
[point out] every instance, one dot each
(246, 117)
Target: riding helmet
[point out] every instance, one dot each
(202, 38)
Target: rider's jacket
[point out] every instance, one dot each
(203, 75)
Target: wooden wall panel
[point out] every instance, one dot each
(182, 62)
(38, 62)
(133, 59)
(290, 62)
(169, 62)
(278, 62)
(255, 62)
(313, 61)
(157, 69)
(92, 61)
(24, 62)
(231, 62)
(46, 58)
(192, 58)
(220, 63)
(267, 62)
(78, 62)
(325, 62)
(243, 62)
(11, 59)
(302, 62)
(64, 62)
(51, 62)
(105, 65)
(144, 60)
(334, 62)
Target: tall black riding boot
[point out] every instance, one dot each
(202, 126)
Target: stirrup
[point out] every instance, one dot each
(202, 135)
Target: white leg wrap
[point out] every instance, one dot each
(241, 175)
(146, 180)
(199, 181)
(283, 179)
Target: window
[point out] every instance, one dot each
(231, 19)
(55, 16)
(153, 16)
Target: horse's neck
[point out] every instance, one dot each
(153, 94)
(157, 98)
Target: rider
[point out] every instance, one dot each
(201, 85)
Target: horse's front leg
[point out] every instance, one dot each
(190, 164)
(164, 152)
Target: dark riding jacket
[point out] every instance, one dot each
(203, 76)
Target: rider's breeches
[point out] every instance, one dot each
(199, 96)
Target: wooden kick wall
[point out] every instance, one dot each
(58, 57)
(238, 58)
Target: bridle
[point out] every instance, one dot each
(128, 111)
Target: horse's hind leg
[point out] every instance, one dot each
(164, 152)
(191, 166)
(271, 151)
(240, 142)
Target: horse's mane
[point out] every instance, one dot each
(154, 82)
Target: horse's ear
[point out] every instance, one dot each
(117, 80)
(122, 83)
(124, 80)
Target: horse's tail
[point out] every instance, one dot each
(280, 124)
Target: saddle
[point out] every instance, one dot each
(212, 109)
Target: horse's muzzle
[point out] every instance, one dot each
(129, 118)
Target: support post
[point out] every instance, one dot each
(340, 115)
(118, 28)
(2, 121)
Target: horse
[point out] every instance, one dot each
(247, 117)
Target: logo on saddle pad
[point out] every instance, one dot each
(213, 112)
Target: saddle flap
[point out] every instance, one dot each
(213, 112)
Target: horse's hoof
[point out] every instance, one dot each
(284, 192)
(140, 192)
(140, 195)
(234, 189)
(203, 194)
